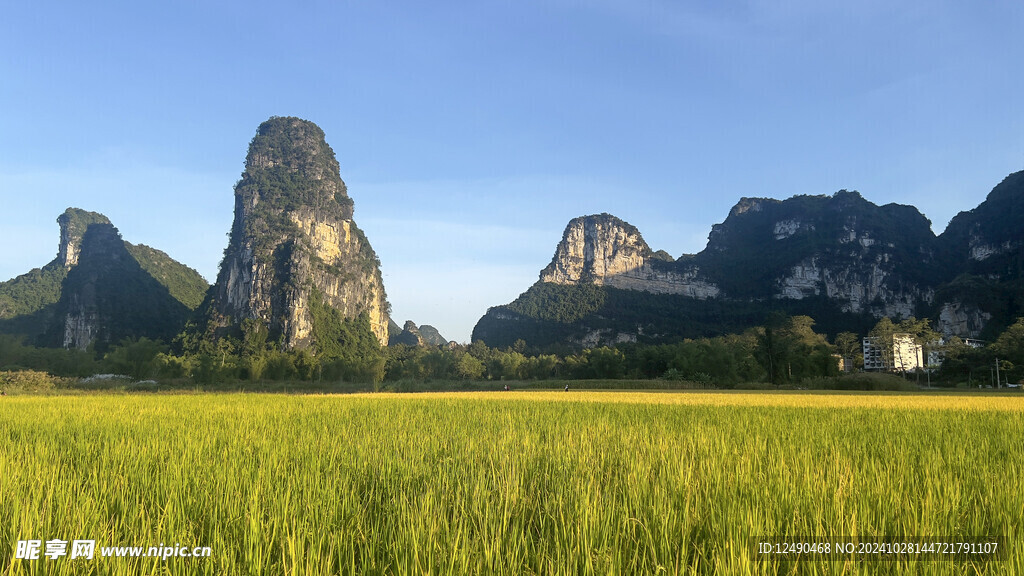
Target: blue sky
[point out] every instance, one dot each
(469, 133)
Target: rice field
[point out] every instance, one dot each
(509, 483)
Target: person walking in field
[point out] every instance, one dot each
(566, 387)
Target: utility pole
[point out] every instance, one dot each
(998, 385)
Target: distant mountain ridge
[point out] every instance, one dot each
(412, 335)
(840, 259)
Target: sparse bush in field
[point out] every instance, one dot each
(29, 381)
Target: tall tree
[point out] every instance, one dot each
(882, 338)
(849, 346)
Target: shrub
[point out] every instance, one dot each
(29, 381)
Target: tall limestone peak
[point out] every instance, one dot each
(594, 249)
(290, 167)
(99, 289)
(294, 248)
(107, 296)
(604, 250)
(431, 336)
(73, 224)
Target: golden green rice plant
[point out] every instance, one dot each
(509, 483)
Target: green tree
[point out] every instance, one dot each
(789, 350)
(849, 346)
(307, 366)
(280, 366)
(882, 337)
(1009, 347)
(467, 367)
(439, 363)
(541, 367)
(921, 330)
(606, 363)
(508, 365)
(773, 352)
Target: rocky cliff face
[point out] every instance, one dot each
(838, 247)
(108, 296)
(293, 235)
(83, 298)
(73, 224)
(961, 319)
(37, 291)
(605, 251)
(870, 287)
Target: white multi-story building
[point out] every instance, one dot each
(902, 355)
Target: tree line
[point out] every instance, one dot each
(784, 351)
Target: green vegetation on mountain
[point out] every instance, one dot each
(405, 337)
(552, 316)
(663, 256)
(347, 345)
(29, 293)
(73, 224)
(983, 255)
(1002, 299)
(431, 336)
(183, 283)
(558, 303)
(993, 230)
(393, 328)
(32, 291)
